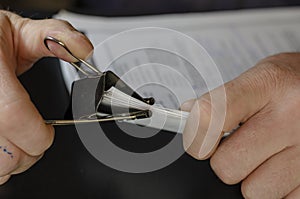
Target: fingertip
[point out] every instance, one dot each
(51, 129)
(52, 134)
(49, 140)
(44, 139)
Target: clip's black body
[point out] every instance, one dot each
(87, 94)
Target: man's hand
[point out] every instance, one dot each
(264, 152)
(24, 137)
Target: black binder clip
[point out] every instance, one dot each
(88, 94)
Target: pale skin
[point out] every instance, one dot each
(264, 153)
(24, 137)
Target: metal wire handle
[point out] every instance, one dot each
(75, 64)
(88, 119)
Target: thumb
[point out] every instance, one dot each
(245, 96)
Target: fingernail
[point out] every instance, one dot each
(187, 105)
(59, 51)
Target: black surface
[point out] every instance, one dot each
(69, 171)
(147, 7)
(136, 7)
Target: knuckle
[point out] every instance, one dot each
(279, 66)
(276, 76)
(266, 79)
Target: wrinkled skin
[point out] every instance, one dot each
(24, 137)
(264, 153)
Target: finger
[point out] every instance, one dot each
(245, 96)
(249, 146)
(13, 160)
(78, 44)
(29, 40)
(21, 124)
(10, 157)
(4, 179)
(277, 177)
(295, 194)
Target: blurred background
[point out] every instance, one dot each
(137, 7)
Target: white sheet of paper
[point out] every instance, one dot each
(235, 40)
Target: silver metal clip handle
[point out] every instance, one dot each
(93, 118)
(75, 64)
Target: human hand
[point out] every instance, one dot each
(24, 137)
(264, 153)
